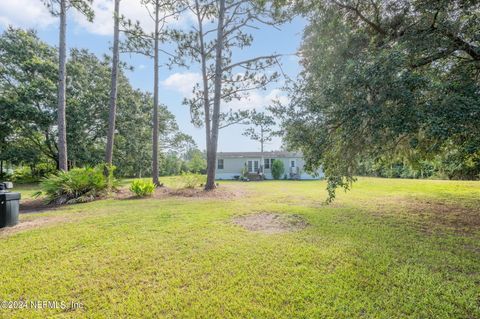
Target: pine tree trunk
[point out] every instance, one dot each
(206, 99)
(61, 122)
(262, 140)
(155, 102)
(114, 86)
(212, 147)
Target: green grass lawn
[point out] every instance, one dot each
(387, 249)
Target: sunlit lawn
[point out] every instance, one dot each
(386, 249)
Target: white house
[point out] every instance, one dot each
(231, 164)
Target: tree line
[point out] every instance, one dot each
(73, 124)
(220, 28)
(28, 112)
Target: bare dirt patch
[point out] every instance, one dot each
(35, 206)
(432, 214)
(460, 218)
(271, 223)
(31, 224)
(222, 192)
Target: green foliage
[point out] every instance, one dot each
(450, 165)
(277, 169)
(78, 185)
(244, 172)
(28, 109)
(33, 173)
(171, 164)
(261, 129)
(391, 81)
(108, 172)
(142, 188)
(189, 180)
(23, 175)
(27, 99)
(196, 162)
(84, 7)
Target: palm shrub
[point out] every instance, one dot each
(142, 188)
(277, 169)
(79, 185)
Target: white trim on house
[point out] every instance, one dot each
(235, 162)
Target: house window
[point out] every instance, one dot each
(253, 166)
(220, 164)
(266, 163)
(292, 164)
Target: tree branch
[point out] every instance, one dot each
(231, 66)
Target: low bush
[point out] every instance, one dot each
(23, 175)
(142, 188)
(244, 172)
(79, 185)
(189, 180)
(277, 169)
(27, 174)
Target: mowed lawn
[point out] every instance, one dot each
(387, 249)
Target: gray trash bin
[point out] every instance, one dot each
(9, 204)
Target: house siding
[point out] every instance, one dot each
(232, 166)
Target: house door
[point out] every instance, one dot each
(253, 166)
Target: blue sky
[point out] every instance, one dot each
(175, 83)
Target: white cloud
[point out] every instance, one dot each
(253, 101)
(277, 95)
(34, 14)
(257, 100)
(182, 82)
(25, 13)
(131, 9)
(103, 21)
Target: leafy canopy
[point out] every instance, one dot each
(389, 80)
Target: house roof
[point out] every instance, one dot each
(272, 154)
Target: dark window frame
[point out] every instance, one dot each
(220, 160)
(267, 163)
